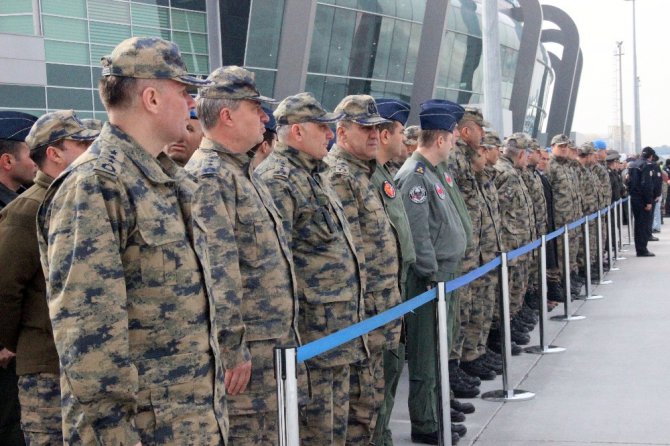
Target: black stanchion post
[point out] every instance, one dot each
(620, 227)
(611, 253)
(543, 348)
(566, 277)
(507, 393)
(587, 251)
(443, 364)
(630, 220)
(287, 396)
(601, 272)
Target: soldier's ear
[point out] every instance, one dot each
(384, 136)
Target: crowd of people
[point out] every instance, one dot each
(157, 260)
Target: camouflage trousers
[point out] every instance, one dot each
(259, 429)
(476, 316)
(422, 358)
(561, 255)
(576, 241)
(366, 395)
(41, 421)
(518, 282)
(323, 417)
(394, 361)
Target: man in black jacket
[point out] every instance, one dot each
(641, 181)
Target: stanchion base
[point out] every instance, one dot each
(614, 268)
(574, 317)
(621, 258)
(592, 297)
(604, 282)
(538, 350)
(498, 396)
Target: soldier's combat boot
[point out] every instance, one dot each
(479, 369)
(460, 429)
(466, 408)
(520, 338)
(456, 375)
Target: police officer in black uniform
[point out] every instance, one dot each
(641, 181)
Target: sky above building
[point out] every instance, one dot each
(601, 23)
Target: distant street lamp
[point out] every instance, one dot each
(619, 53)
(636, 89)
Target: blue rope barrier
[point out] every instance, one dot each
(555, 234)
(523, 250)
(472, 275)
(577, 223)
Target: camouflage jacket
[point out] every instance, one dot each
(516, 208)
(327, 265)
(245, 245)
(605, 188)
(437, 231)
(534, 185)
(372, 232)
(589, 192)
(564, 191)
(131, 318)
(490, 241)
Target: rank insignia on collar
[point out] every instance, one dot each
(389, 189)
(440, 191)
(448, 179)
(418, 194)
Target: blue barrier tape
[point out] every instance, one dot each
(577, 223)
(472, 275)
(556, 233)
(593, 216)
(331, 341)
(523, 250)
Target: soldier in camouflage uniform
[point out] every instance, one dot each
(462, 159)
(590, 196)
(439, 241)
(233, 210)
(517, 221)
(564, 191)
(327, 265)
(351, 163)
(134, 326)
(599, 168)
(55, 140)
(390, 146)
(576, 234)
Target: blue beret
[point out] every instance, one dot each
(440, 114)
(271, 124)
(393, 109)
(599, 144)
(15, 126)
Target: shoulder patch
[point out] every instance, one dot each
(281, 171)
(389, 189)
(210, 164)
(418, 194)
(109, 161)
(341, 168)
(420, 168)
(448, 179)
(440, 191)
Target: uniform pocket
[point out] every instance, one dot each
(160, 252)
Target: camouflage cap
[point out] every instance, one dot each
(54, 126)
(560, 139)
(535, 144)
(233, 82)
(475, 115)
(93, 124)
(411, 135)
(148, 58)
(491, 140)
(519, 141)
(586, 149)
(303, 107)
(361, 109)
(572, 145)
(612, 155)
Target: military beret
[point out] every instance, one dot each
(58, 125)
(15, 126)
(361, 109)
(393, 109)
(233, 82)
(303, 107)
(560, 139)
(599, 144)
(148, 58)
(440, 114)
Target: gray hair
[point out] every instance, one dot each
(208, 110)
(283, 131)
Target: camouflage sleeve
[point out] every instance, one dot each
(87, 306)
(417, 207)
(345, 192)
(282, 195)
(216, 242)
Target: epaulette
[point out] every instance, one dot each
(341, 168)
(281, 170)
(210, 163)
(109, 162)
(420, 167)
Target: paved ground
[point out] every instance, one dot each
(606, 389)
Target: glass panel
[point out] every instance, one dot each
(69, 8)
(108, 33)
(85, 115)
(101, 116)
(265, 81)
(97, 103)
(64, 29)
(189, 21)
(198, 5)
(18, 24)
(109, 11)
(265, 23)
(153, 2)
(21, 96)
(202, 62)
(16, 6)
(96, 74)
(66, 52)
(189, 42)
(323, 27)
(151, 32)
(66, 98)
(98, 51)
(68, 76)
(153, 16)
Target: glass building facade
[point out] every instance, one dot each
(77, 33)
